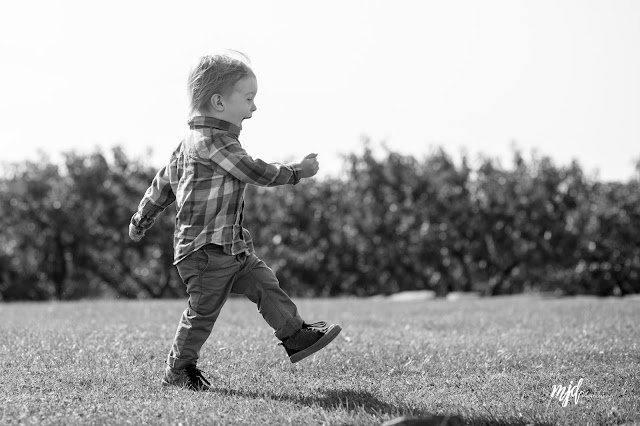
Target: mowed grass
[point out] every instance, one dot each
(488, 361)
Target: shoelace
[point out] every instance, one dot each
(320, 326)
(195, 374)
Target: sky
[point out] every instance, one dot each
(557, 78)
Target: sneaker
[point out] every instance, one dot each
(188, 377)
(310, 339)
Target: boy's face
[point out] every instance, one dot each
(239, 103)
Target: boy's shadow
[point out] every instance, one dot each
(326, 399)
(352, 400)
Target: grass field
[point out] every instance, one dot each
(487, 361)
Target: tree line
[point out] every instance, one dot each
(388, 223)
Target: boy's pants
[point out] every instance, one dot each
(210, 275)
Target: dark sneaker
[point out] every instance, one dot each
(189, 377)
(310, 339)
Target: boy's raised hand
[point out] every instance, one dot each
(309, 166)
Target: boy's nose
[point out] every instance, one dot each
(254, 108)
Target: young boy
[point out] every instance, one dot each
(214, 254)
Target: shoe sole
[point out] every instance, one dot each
(328, 337)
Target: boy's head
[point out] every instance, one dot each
(223, 85)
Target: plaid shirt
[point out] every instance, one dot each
(206, 177)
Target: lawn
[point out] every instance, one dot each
(487, 361)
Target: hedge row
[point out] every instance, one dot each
(388, 223)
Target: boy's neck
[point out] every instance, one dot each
(206, 113)
(214, 114)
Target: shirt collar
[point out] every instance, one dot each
(201, 121)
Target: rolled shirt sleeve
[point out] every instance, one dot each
(156, 199)
(227, 152)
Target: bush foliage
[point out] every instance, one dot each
(389, 223)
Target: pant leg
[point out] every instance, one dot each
(209, 275)
(259, 283)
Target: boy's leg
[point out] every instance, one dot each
(208, 274)
(259, 283)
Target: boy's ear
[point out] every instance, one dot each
(217, 103)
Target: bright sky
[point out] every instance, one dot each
(561, 77)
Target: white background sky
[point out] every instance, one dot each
(561, 77)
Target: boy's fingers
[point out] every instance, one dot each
(310, 156)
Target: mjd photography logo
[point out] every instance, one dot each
(564, 394)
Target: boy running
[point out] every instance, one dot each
(206, 177)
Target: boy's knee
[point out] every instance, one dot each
(255, 286)
(206, 306)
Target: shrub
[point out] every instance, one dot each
(390, 223)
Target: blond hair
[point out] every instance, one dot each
(215, 74)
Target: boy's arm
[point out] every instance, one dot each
(229, 154)
(158, 197)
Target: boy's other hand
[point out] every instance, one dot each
(135, 233)
(309, 166)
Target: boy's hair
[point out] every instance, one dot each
(215, 74)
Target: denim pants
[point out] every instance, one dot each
(210, 276)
